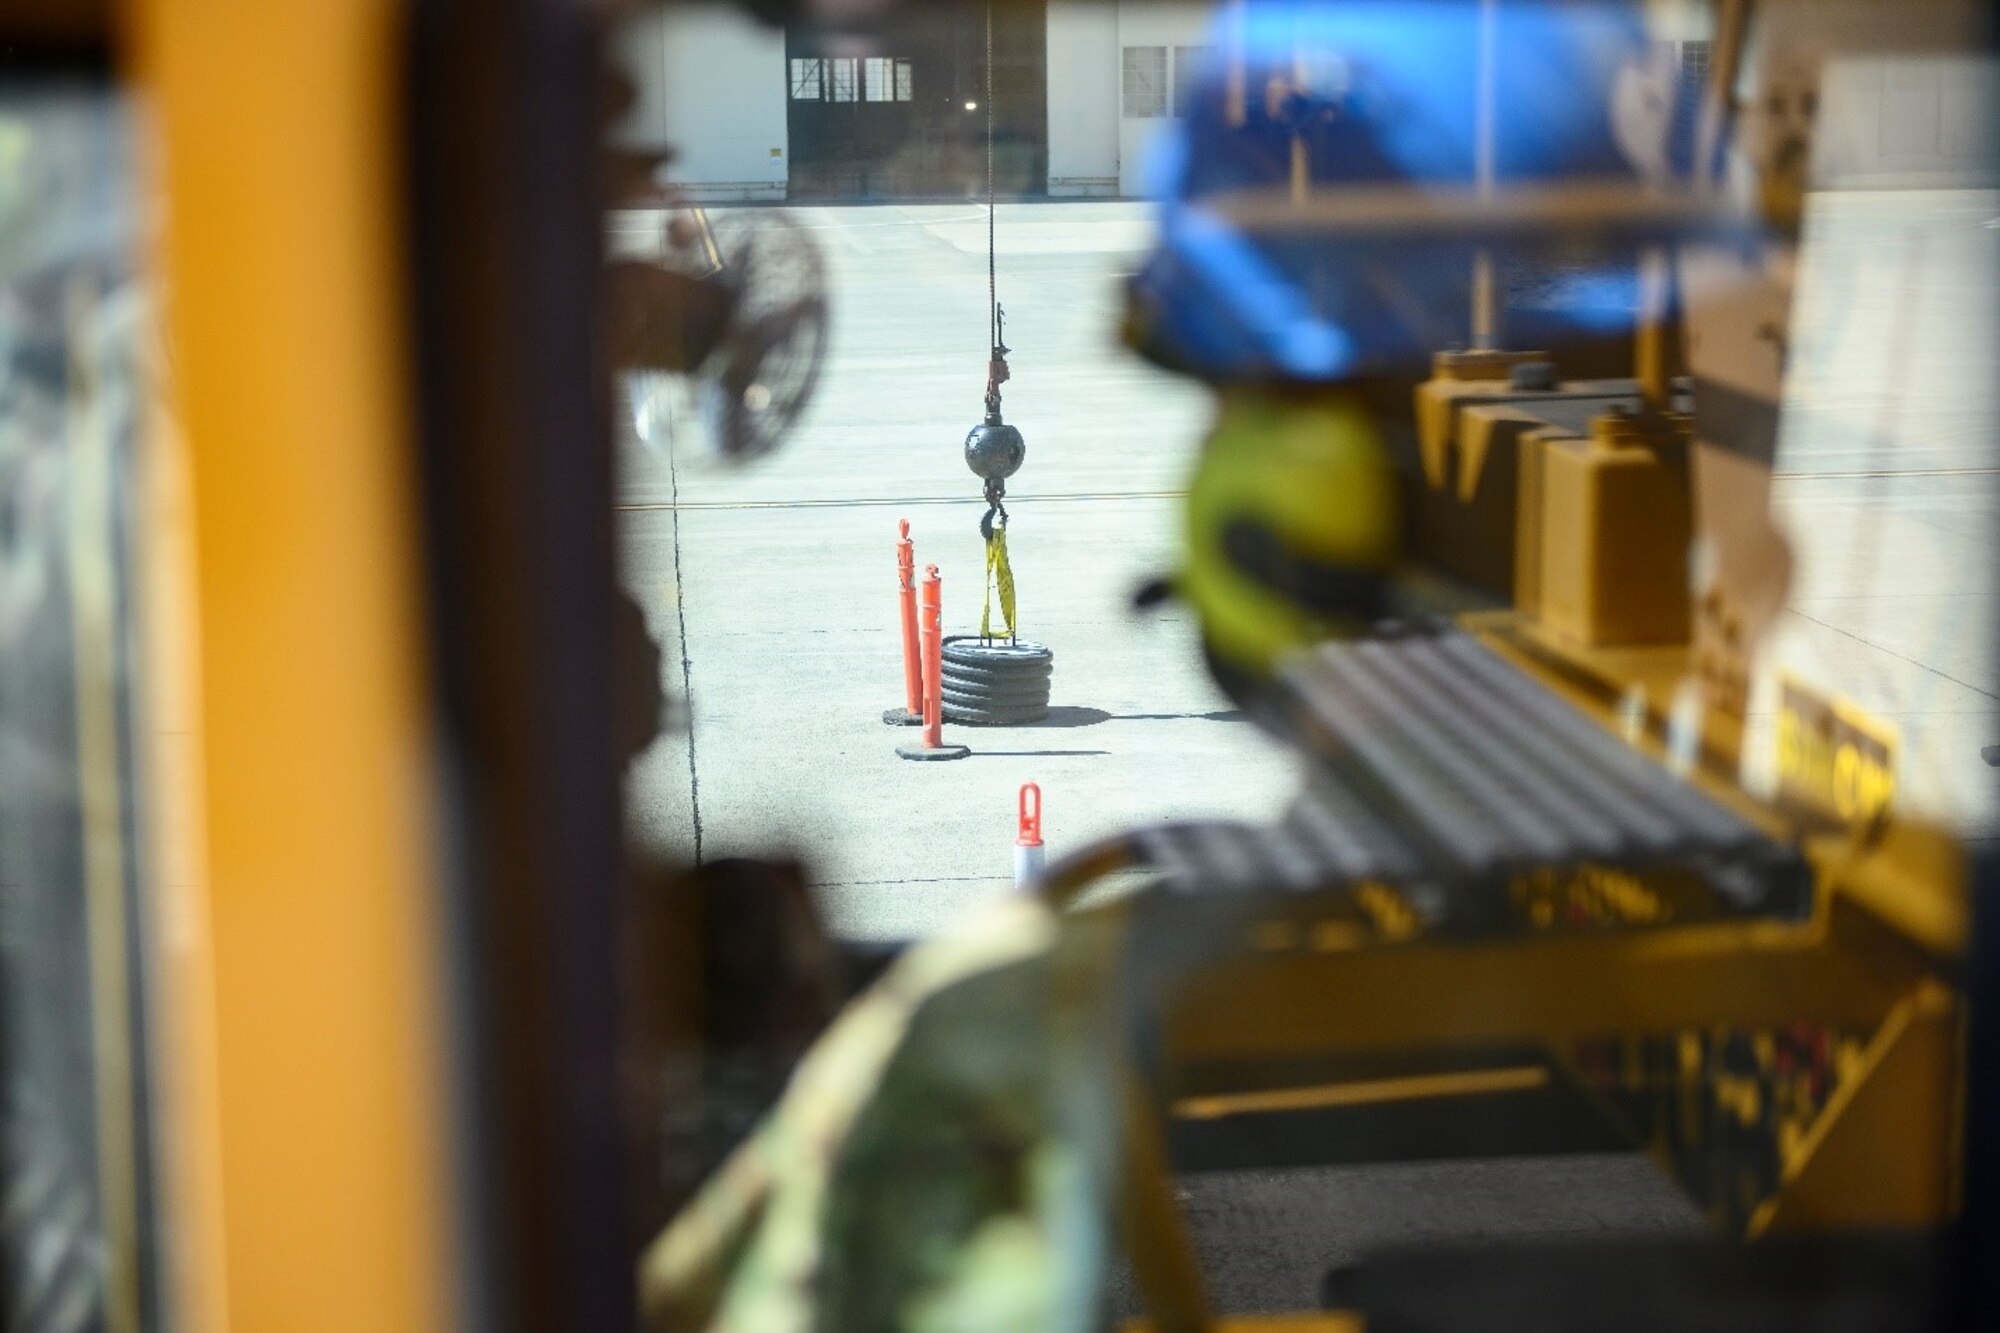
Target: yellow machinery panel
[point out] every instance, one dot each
(1615, 527)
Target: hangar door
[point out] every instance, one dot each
(900, 114)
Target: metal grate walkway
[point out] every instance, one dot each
(1438, 762)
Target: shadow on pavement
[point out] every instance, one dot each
(1069, 715)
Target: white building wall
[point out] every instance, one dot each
(1094, 147)
(1156, 24)
(1083, 97)
(712, 84)
(1908, 122)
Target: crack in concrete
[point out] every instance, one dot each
(681, 631)
(1908, 661)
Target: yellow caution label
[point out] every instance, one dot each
(1835, 761)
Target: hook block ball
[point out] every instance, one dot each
(994, 450)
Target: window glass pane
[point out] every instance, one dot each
(1189, 61)
(1145, 81)
(1694, 61)
(878, 80)
(806, 80)
(843, 72)
(79, 384)
(850, 340)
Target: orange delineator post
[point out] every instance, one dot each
(906, 593)
(931, 744)
(1029, 857)
(933, 632)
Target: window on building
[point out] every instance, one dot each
(884, 79)
(1189, 62)
(808, 80)
(1694, 62)
(843, 74)
(1145, 81)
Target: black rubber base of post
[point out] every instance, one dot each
(901, 717)
(926, 752)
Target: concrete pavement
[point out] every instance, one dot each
(1887, 481)
(772, 586)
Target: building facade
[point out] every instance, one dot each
(1079, 87)
(755, 112)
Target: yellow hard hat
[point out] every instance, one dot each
(1293, 526)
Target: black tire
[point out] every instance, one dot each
(988, 654)
(995, 683)
(964, 716)
(1019, 691)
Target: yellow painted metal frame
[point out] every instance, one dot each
(1875, 955)
(1881, 1154)
(1549, 987)
(303, 1095)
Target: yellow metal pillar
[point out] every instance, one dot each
(304, 1096)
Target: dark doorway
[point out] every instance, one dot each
(900, 113)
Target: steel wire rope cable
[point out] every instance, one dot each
(992, 264)
(999, 570)
(985, 681)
